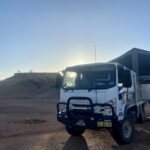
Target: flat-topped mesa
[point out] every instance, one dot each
(28, 85)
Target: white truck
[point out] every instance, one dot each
(102, 96)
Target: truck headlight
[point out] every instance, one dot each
(112, 102)
(62, 109)
(108, 111)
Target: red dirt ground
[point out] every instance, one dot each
(30, 124)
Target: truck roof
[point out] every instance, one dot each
(91, 64)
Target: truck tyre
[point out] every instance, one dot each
(125, 132)
(141, 118)
(75, 130)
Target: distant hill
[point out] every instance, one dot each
(29, 85)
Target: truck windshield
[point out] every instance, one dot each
(90, 77)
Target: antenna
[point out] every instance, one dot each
(95, 53)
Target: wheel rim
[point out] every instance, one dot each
(127, 129)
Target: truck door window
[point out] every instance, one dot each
(124, 77)
(120, 78)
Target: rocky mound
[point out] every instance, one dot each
(29, 85)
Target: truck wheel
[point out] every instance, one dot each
(141, 118)
(75, 130)
(125, 132)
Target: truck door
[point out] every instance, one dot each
(105, 80)
(127, 89)
(132, 91)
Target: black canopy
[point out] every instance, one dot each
(137, 60)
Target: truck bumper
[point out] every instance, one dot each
(87, 118)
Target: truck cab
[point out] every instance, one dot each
(99, 96)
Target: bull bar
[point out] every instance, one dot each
(87, 118)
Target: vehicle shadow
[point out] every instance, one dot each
(76, 143)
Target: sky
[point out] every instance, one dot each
(49, 35)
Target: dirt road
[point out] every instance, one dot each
(30, 124)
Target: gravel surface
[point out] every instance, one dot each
(30, 124)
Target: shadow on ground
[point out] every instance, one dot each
(141, 141)
(76, 143)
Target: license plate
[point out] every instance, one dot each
(104, 124)
(80, 123)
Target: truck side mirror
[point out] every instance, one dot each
(127, 78)
(120, 85)
(58, 82)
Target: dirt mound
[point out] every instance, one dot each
(29, 85)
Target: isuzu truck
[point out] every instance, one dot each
(102, 96)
